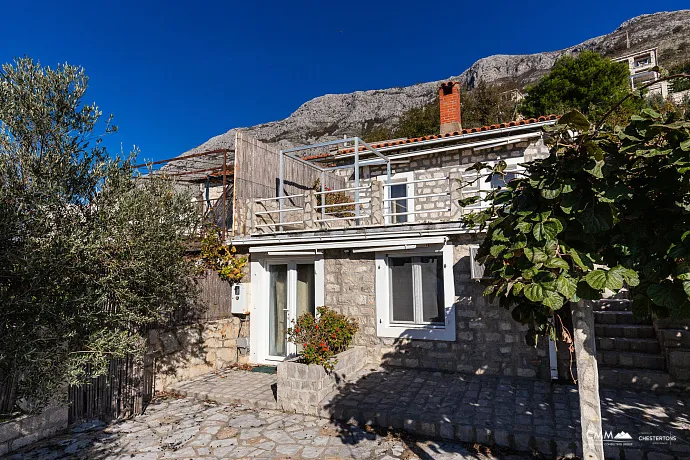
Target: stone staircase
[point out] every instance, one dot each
(628, 350)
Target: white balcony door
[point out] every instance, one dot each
(285, 289)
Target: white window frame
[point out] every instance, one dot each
(399, 177)
(386, 328)
(512, 165)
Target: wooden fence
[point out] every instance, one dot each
(128, 386)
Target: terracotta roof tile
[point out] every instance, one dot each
(439, 136)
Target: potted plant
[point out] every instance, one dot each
(325, 360)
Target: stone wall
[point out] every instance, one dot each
(189, 351)
(302, 387)
(443, 166)
(674, 337)
(488, 341)
(27, 429)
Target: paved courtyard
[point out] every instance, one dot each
(522, 414)
(232, 415)
(185, 428)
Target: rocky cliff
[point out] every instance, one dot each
(334, 115)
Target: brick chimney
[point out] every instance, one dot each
(449, 98)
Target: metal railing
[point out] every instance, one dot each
(356, 205)
(413, 197)
(370, 205)
(280, 210)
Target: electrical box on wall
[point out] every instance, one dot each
(240, 301)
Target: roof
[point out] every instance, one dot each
(456, 134)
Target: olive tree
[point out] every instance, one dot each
(88, 256)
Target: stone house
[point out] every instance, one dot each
(390, 251)
(374, 232)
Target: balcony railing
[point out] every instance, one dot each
(427, 200)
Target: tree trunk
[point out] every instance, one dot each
(587, 381)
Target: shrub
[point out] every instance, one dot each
(346, 210)
(222, 258)
(323, 337)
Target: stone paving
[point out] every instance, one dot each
(173, 428)
(253, 389)
(522, 414)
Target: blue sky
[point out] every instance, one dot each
(177, 73)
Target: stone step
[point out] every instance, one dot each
(612, 305)
(628, 331)
(624, 344)
(639, 379)
(676, 338)
(633, 360)
(618, 317)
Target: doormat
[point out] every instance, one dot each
(265, 369)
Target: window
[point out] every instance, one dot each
(416, 289)
(399, 196)
(498, 181)
(481, 187)
(415, 294)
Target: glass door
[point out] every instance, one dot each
(277, 309)
(292, 292)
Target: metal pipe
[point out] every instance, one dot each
(375, 161)
(372, 149)
(345, 189)
(428, 195)
(260, 213)
(427, 211)
(364, 201)
(281, 223)
(285, 197)
(320, 144)
(357, 177)
(225, 200)
(296, 158)
(418, 181)
(184, 157)
(342, 218)
(281, 192)
(323, 191)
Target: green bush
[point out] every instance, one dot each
(323, 337)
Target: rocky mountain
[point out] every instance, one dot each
(334, 115)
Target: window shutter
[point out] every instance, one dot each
(476, 269)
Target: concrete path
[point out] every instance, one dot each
(189, 429)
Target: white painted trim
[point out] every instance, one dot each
(259, 324)
(490, 132)
(349, 244)
(377, 234)
(403, 177)
(422, 332)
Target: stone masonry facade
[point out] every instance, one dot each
(186, 352)
(302, 387)
(488, 341)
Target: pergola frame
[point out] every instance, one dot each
(291, 153)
